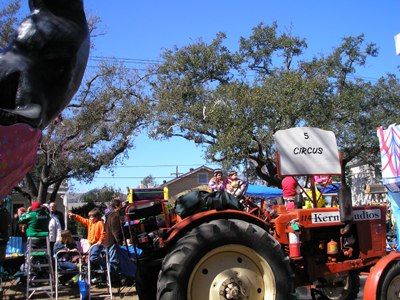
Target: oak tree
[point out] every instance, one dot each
(232, 103)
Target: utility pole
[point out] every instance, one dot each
(176, 173)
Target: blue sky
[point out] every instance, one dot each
(141, 29)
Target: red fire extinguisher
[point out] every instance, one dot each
(294, 244)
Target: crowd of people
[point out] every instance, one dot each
(40, 221)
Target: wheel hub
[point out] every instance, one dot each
(232, 272)
(394, 288)
(232, 289)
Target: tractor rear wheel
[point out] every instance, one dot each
(347, 290)
(389, 288)
(226, 259)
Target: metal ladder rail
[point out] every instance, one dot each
(29, 256)
(108, 275)
(57, 272)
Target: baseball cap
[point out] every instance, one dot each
(35, 205)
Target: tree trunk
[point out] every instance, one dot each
(56, 187)
(43, 185)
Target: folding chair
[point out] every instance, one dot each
(12, 278)
(128, 269)
(57, 272)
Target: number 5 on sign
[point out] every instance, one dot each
(307, 151)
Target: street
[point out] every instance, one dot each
(72, 293)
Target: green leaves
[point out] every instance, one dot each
(97, 128)
(203, 95)
(8, 21)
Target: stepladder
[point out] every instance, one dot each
(98, 271)
(39, 265)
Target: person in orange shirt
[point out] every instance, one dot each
(96, 235)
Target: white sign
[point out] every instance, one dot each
(397, 43)
(358, 215)
(307, 151)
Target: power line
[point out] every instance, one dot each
(134, 177)
(142, 177)
(155, 62)
(151, 166)
(127, 60)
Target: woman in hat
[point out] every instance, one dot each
(217, 183)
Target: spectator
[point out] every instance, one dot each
(4, 237)
(66, 242)
(217, 182)
(289, 191)
(58, 214)
(234, 186)
(104, 217)
(96, 236)
(114, 237)
(54, 228)
(321, 180)
(19, 230)
(37, 222)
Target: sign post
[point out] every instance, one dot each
(397, 42)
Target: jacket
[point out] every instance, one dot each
(58, 246)
(96, 230)
(18, 229)
(60, 217)
(37, 222)
(54, 229)
(212, 184)
(236, 186)
(113, 229)
(4, 226)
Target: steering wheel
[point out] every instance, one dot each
(244, 190)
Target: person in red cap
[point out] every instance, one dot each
(19, 230)
(37, 222)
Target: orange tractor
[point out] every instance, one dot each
(251, 252)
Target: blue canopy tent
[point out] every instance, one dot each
(263, 191)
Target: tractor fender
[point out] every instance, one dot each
(181, 228)
(374, 277)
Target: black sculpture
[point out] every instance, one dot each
(43, 66)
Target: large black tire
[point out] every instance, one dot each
(389, 285)
(346, 290)
(227, 257)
